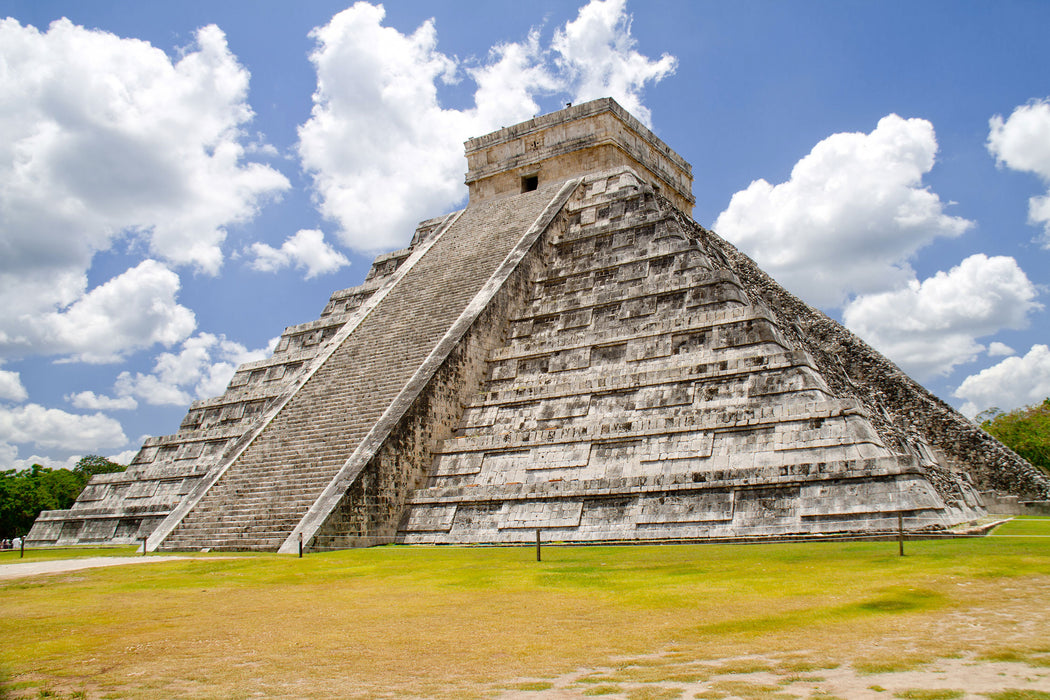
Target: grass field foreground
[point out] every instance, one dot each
(459, 622)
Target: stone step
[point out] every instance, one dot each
(733, 326)
(697, 287)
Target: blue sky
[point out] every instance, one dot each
(180, 181)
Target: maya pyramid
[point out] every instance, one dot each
(570, 353)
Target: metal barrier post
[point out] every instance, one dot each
(538, 544)
(900, 532)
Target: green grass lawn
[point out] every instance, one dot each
(457, 622)
(1038, 526)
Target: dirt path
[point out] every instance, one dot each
(962, 678)
(55, 566)
(988, 650)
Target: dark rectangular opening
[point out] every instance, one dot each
(530, 183)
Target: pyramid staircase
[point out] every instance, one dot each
(125, 507)
(256, 501)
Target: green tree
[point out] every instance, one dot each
(1026, 431)
(89, 465)
(17, 502)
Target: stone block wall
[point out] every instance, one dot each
(591, 137)
(956, 454)
(304, 454)
(371, 510)
(643, 395)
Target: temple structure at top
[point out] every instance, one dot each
(570, 353)
(590, 137)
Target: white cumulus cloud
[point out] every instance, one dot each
(1022, 142)
(151, 389)
(53, 428)
(124, 457)
(131, 311)
(91, 401)
(849, 218)
(997, 349)
(382, 151)
(306, 250)
(596, 50)
(507, 85)
(11, 388)
(930, 327)
(1014, 382)
(103, 135)
(201, 369)
(109, 141)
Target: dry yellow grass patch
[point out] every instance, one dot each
(449, 622)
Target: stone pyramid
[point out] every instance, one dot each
(570, 353)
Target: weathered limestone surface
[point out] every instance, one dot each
(644, 394)
(397, 454)
(906, 415)
(125, 507)
(262, 495)
(569, 353)
(591, 137)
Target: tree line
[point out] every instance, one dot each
(1026, 431)
(23, 494)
